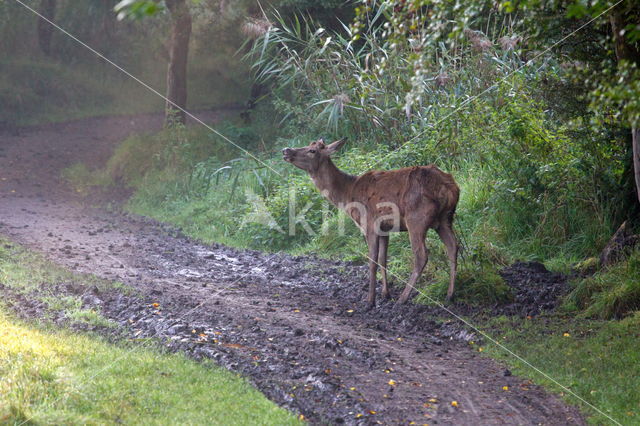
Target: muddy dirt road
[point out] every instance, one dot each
(294, 326)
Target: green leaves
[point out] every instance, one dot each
(138, 9)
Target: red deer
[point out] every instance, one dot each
(412, 199)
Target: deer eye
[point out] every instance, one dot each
(312, 151)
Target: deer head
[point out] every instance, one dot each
(311, 157)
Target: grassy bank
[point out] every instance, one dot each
(597, 360)
(54, 376)
(57, 377)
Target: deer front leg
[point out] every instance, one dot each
(372, 242)
(383, 241)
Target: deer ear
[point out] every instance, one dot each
(335, 146)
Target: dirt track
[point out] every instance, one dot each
(292, 325)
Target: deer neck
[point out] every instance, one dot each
(333, 183)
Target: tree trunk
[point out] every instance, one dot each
(178, 54)
(45, 29)
(625, 51)
(635, 144)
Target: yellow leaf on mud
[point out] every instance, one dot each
(359, 415)
(454, 403)
(505, 388)
(371, 412)
(566, 335)
(155, 305)
(392, 382)
(350, 311)
(301, 417)
(433, 400)
(352, 388)
(296, 310)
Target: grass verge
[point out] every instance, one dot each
(53, 376)
(596, 359)
(57, 377)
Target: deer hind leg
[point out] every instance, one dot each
(383, 241)
(417, 234)
(372, 242)
(448, 237)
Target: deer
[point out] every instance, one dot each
(412, 199)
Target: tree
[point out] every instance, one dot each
(178, 55)
(613, 83)
(45, 30)
(176, 92)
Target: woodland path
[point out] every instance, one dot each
(294, 326)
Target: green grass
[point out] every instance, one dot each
(57, 377)
(50, 376)
(31, 275)
(598, 360)
(610, 293)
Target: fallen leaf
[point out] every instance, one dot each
(505, 388)
(454, 403)
(359, 415)
(296, 310)
(301, 417)
(371, 412)
(352, 388)
(155, 305)
(566, 335)
(433, 400)
(392, 382)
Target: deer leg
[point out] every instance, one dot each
(372, 242)
(383, 241)
(448, 237)
(416, 236)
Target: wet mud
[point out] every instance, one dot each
(296, 327)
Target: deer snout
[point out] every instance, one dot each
(287, 153)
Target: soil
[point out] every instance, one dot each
(534, 289)
(294, 326)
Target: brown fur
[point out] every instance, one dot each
(425, 196)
